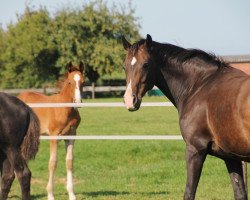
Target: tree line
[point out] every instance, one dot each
(34, 51)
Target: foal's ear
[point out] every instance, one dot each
(148, 41)
(81, 67)
(69, 66)
(126, 44)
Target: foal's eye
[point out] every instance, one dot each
(145, 65)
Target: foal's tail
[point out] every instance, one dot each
(29, 147)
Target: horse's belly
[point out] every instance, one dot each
(235, 143)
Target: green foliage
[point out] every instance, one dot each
(34, 51)
(2, 48)
(29, 54)
(92, 34)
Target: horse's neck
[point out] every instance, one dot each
(161, 83)
(180, 82)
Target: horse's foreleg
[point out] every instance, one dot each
(235, 171)
(6, 179)
(69, 165)
(194, 160)
(52, 168)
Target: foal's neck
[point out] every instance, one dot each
(65, 94)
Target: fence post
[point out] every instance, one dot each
(93, 90)
(44, 90)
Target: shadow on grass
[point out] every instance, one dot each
(14, 197)
(102, 193)
(115, 193)
(39, 196)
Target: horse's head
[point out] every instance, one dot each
(139, 72)
(75, 81)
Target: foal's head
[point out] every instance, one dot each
(139, 72)
(75, 80)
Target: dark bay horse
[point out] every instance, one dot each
(60, 121)
(19, 141)
(212, 100)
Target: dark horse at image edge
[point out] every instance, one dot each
(212, 99)
(19, 141)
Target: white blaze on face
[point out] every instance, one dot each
(128, 96)
(133, 61)
(77, 98)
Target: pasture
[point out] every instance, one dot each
(126, 170)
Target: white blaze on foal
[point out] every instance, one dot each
(77, 89)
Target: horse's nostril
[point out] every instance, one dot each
(135, 99)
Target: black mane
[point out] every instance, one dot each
(181, 55)
(210, 59)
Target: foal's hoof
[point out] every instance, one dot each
(51, 197)
(72, 197)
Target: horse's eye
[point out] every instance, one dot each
(145, 65)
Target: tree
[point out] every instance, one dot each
(93, 34)
(2, 48)
(30, 55)
(36, 48)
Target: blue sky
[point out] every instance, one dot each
(218, 26)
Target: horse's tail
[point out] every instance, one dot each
(31, 141)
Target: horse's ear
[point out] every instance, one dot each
(126, 44)
(81, 67)
(69, 66)
(148, 41)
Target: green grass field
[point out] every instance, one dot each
(127, 170)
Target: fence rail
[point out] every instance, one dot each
(105, 137)
(81, 105)
(112, 137)
(92, 89)
(54, 90)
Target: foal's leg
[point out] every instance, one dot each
(7, 178)
(194, 160)
(235, 171)
(52, 168)
(69, 144)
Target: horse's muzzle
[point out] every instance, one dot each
(136, 104)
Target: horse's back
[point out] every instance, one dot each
(33, 97)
